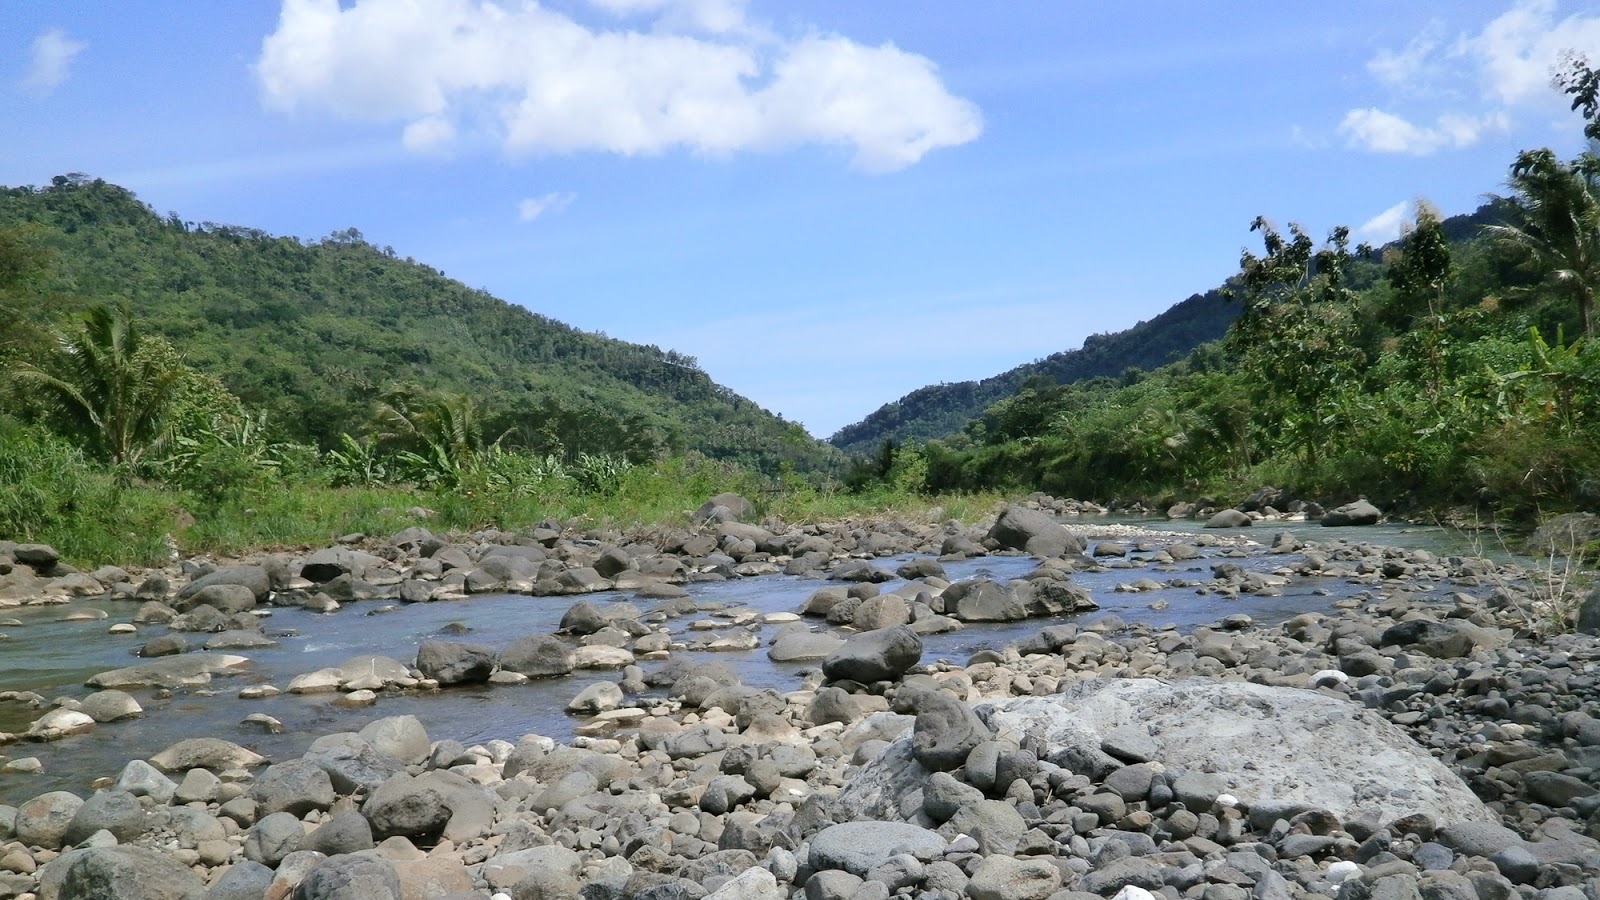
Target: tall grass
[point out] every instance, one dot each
(50, 493)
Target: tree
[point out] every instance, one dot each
(1557, 208)
(112, 386)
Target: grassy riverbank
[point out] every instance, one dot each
(94, 514)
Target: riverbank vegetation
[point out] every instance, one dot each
(1449, 368)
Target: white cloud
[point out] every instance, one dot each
(51, 62)
(1387, 225)
(1384, 132)
(539, 81)
(1506, 67)
(531, 208)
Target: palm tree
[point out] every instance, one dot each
(113, 386)
(1559, 228)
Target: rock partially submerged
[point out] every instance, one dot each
(176, 671)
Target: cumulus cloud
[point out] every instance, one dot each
(530, 208)
(1506, 67)
(536, 80)
(1384, 132)
(50, 61)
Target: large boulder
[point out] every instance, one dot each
(946, 731)
(856, 847)
(449, 662)
(1260, 743)
(398, 737)
(1358, 513)
(102, 872)
(178, 671)
(224, 598)
(1030, 530)
(881, 655)
(205, 753)
(537, 656)
(325, 565)
(1229, 518)
(256, 578)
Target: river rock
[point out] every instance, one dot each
(537, 656)
(104, 872)
(406, 806)
(351, 877)
(118, 812)
(1358, 513)
(1229, 518)
(256, 578)
(946, 731)
(1300, 745)
(1005, 878)
(60, 723)
(596, 698)
(205, 753)
(144, 780)
(351, 762)
(449, 662)
(856, 847)
(244, 880)
(881, 655)
(225, 598)
(344, 832)
(297, 786)
(1029, 530)
(398, 737)
(794, 646)
(43, 821)
(735, 509)
(178, 671)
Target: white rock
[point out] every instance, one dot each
(318, 682)
(1134, 892)
(1339, 870)
(59, 723)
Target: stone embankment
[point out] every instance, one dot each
(1423, 738)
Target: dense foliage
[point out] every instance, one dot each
(315, 335)
(1455, 367)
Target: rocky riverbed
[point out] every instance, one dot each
(1419, 736)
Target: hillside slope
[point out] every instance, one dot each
(315, 332)
(942, 409)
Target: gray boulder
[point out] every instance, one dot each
(856, 847)
(537, 656)
(737, 508)
(351, 762)
(794, 646)
(225, 598)
(187, 670)
(256, 578)
(1358, 513)
(398, 737)
(205, 753)
(351, 877)
(104, 872)
(273, 837)
(1029, 530)
(244, 880)
(44, 820)
(406, 806)
(345, 832)
(118, 812)
(946, 731)
(583, 618)
(449, 662)
(297, 786)
(1229, 518)
(881, 655)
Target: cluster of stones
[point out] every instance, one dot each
(1090, 760)
(222, 608)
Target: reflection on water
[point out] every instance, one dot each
(54, 657)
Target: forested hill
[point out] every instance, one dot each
(940, 410)
(315, 332)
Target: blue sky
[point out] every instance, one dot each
(828, 203)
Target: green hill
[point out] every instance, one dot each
(314, 332)
(941, 410)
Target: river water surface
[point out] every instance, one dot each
(54, 657)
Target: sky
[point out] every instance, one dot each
(828, 203)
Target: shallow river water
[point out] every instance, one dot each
(55, 657)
